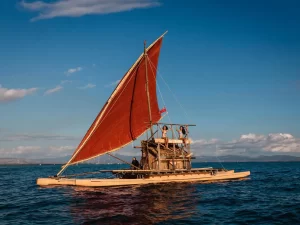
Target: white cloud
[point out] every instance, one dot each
(88, 86)
(113, 83)
(8, 95)
(282, 143)
(73, 70)
(252, 137)
(53, 90)
(204, 147)
(77, 8)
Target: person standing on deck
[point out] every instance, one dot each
(135, 163)
(182, 133)
(164, 131)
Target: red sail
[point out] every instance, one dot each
(125, 115)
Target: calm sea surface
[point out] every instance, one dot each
(270, 196)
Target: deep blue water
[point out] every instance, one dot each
(270, 196)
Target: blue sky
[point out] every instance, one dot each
(234, 66)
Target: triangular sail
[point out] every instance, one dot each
(125, 115)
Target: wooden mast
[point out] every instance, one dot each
(148, 100)
(147, 88)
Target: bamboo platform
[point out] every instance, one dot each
(196, 175)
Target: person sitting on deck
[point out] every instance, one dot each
(164, 131)
(182, 134)
(135, 164)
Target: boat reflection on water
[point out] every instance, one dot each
(134, 205)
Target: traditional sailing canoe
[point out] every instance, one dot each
(131, 110)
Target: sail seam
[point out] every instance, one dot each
(131, 104)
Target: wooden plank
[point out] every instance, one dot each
(173, 159)
(140, 171)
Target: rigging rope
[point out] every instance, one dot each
(160, 93)
(218, 158)
(174, 96)
(176, 99)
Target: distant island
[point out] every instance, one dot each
(105, 159)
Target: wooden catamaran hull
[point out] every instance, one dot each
(226, 175)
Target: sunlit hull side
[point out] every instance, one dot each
(182, 177)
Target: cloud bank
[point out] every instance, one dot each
(247, 145)
(36, 151)
(20, 150)
(250, 144)
(77, 8)
(8, 95)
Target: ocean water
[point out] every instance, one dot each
(270, 196)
